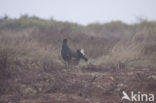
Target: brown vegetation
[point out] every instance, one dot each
(121, 57)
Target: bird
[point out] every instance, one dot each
(69, 55)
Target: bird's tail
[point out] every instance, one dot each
(83, 54)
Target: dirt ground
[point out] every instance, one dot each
(89, 84)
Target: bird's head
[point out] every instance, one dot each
(65, 39)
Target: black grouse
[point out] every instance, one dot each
(69, 55)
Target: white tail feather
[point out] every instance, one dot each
(82, 51)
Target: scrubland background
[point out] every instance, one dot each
(121, 57)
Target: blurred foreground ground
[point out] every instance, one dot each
(77, 85)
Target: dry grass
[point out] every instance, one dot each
(121, 57)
